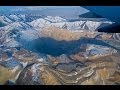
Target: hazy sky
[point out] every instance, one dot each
(4, 8)
(63, 11)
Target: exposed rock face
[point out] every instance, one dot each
(53, 51)
(92, 64)
(12, 62)
(99, 71)
(80, 24)
(35, 75)
(25, 56)
(9, 74)
(64, 34)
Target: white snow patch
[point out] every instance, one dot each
(15, 17)
(40, 60)
(29, 35)
(24, 64)
(15, 68)
(5, 20)
(34, 72)
(99, 50)
(62, 23)
(55, 19)
(40, 23)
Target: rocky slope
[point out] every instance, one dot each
(54, 51)
(86, 64)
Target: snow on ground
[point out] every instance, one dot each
(35, 74)
(62, 23)
(55, 19)
(29, 35)
(10, 63)
(14, 17)
(5, 20)
(12, 43)
(40, 23)
(40, 60)
(24, 64)
(99, 50)
(15, 26)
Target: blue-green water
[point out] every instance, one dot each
(53, 47)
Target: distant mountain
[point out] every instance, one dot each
(62, 11)
(63, 23)
(90, 15)
(33, 39)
